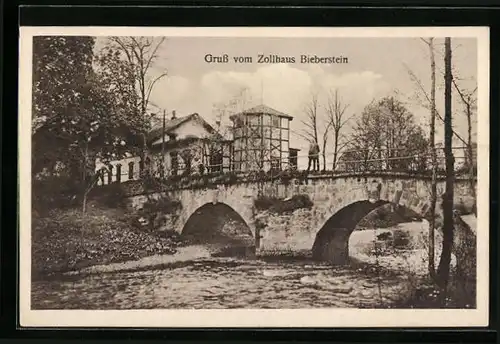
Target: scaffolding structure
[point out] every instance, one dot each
(261, 139)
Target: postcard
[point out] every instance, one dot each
(254, 177)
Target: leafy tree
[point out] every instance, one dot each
(386, 137)
(82, 111)
(61, 66)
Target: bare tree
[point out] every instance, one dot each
(239, 101)
(469, 101)
(312, 122)
(325, 141)
(336, 112)
(310, 132)
(141, 53)
(444, 263)
(432, 139)
(428, 101)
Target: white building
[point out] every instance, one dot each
(187, 144)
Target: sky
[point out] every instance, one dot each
(376, 67)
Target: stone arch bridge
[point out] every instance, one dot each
(335, 205)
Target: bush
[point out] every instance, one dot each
(114, 196)
(162, 204)
(401, 239)
(154, 211)
(265, 203)
(385, 236)
(52, 192)
(68, 240)
(279, 206)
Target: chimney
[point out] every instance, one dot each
(173, 114)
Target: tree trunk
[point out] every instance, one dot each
(324, 159)
(325, 140)
(444, 264)
(335, 149)
(84, 179)
(432, 222)
(84, 203)
(470, 158)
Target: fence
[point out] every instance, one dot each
(418, 163)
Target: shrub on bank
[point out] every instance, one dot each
(68, 240)
(401, 239)
(280, 206)
(52, 192)
(114, 197)
(153, 214)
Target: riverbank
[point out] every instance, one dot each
(67, 240)
(94, 250)
(155, 262)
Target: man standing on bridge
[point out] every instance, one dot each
(313, 157)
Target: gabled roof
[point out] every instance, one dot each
(262, 109)
(172, 124)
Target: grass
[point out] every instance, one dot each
(67, 240)
(375, 248)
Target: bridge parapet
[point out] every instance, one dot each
(151, 184)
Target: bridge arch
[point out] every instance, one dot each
(339, 221)
(220, 227)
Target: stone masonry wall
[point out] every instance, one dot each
(296, 231)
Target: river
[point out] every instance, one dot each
(224, 283)
(240, 283)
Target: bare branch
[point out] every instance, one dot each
(424, 92)
(151, 85)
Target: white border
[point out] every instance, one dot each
(254, 318)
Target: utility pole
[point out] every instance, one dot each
(448, 225)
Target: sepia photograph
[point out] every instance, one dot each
(177, 177)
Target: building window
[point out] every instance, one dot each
(253, 120)
(131, 170)
(285, 134)
(216, 160)
(118, 173)
(267, 120)
(293, 159)
(276, 122)
(284, 123)
(110, 174)
(101, 176)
